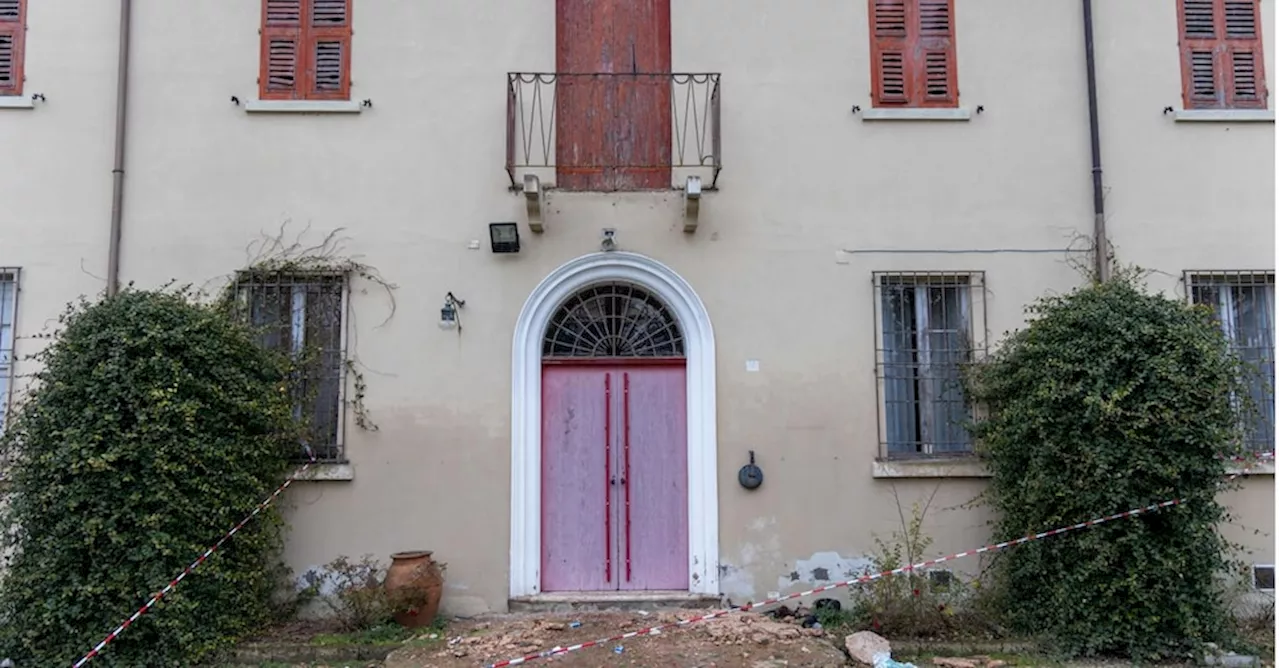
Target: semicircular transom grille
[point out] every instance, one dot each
(613, 320)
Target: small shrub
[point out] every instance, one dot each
(918, 604)
(354, 593)
(1111, 399)
(155, 424)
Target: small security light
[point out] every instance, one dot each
(504, 237)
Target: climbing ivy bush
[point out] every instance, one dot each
(1112, 398)
(154, 425)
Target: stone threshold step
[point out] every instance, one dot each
(611, 600)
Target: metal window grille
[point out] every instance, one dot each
(1244, 303)
(301, 314)
(613, 320)
(8, 316)
(926, 336)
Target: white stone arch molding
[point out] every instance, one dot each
(526, 410)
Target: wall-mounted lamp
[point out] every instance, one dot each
(504, 237)
(607, 242)
(750, 476)
(449, 312)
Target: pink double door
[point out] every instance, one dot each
(614, 478)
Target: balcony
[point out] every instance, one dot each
(613, 132)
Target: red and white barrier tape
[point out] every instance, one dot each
(836, 585)
(653, 629)
(195, 564)
(1249, 460)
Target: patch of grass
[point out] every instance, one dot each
(385, 634)
(839, 622)
(378, 635)
(926, 658)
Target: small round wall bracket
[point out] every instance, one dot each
(750, 476)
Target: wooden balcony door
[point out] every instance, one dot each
(613, 102)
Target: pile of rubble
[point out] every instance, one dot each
(743, 628)
(538, 634)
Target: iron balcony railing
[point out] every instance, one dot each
(652, 124)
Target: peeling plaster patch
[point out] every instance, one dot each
(736, 578)
(818, 569)
(318, 577)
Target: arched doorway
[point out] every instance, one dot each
(614, 456)
(613, 433)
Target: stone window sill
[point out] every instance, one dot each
(972, 468)
(328, 473)
(317, 473)
(1224, 116)
(926, 114)
(302, 107)
(950, 467)
(1260, 468)
(16, 102)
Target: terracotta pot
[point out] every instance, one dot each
(414, 584)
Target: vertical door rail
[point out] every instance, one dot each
(626, 463)
(608, 482)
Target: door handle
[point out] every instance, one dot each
(615, 480)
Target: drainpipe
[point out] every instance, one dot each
(117, 169)
(1101, 248)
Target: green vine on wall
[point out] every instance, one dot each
(285, 254)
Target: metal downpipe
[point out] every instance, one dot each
(117, 169)
(1101, 246)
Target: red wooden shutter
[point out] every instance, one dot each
(12, 31)
(1221, 44)
(913, 53)
(282, 73)
(935, 54)
(891, 76)
(328, 45)
(1246, 86)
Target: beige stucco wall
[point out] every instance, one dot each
(416, 178)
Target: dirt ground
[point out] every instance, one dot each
(738, 640)
(746, 640)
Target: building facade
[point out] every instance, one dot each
(726, 232)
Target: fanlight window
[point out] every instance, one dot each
(613, 320)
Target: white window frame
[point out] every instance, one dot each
(9, 287)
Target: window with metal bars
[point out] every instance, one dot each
(301, 314)
(13, 30)
(1244, 303)
(925, 329)
(1221, 52)
(306, 50)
